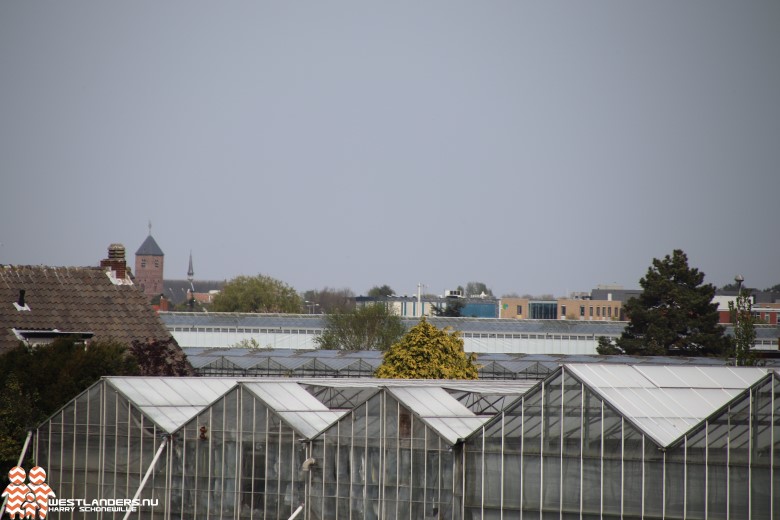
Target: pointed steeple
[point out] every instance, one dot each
(190, 271)
(149, 248)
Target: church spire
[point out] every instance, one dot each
(190, 271)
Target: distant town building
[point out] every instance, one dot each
(614, 293)
(191, 291)
(149, 264)
(427, 305)
(765, 309)
(582, 309)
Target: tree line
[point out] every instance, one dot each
(673, 315)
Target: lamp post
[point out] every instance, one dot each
(738, 279)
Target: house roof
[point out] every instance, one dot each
(176, 290)
(74, 299)
(149, 248)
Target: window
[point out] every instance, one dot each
(563, 311)
(598, 312)
(610, 311)
(582, 310)
(143, 262)
(519, 310)
(591, 311)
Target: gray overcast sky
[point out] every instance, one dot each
(539, 147)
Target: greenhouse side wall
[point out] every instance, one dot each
(381, 461)
(579, 458)
(100, 446)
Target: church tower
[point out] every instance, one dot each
(149, 266)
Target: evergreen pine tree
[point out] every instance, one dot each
(675, 314)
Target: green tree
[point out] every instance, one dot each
(257, 294)
(327, 300)
(427, 352)
(476, 289)
(381, 292)
(370, 327)
(36, 382)
(250, 343)
(744, 330)
(675, 314)
(773, 289)
(161, 358)
(18, 415)
(452, 308)
(608, 347)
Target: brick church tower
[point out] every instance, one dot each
(149, 267)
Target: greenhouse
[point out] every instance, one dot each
(600, 441)
(391, 457)
(590, 441)
(252, 448)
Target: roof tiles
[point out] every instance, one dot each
(74, 299)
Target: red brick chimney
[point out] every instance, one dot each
(116, 261)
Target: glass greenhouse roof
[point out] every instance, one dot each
(297, 407)
(171, 401)
(665, 402)
(439, 410)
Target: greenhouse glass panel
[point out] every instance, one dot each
(653, 480)
(717, 466)
(776, 446)
(591, 454)
(696, 475)
(633, 455)
(612, 462)
(739, 458)
(532, 447)
(343, 466)
(674, 482)
(571, 444)
(474, 468)
(761, 451)
(551, 444)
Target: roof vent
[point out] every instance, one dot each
(115, 264)
(20, 304)
(116, 252)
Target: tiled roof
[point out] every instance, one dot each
(176, 290)
(74, 299)
(149, 248)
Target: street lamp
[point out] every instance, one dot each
(738, 279)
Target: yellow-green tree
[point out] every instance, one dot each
(427, 352)
(257, 294)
